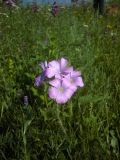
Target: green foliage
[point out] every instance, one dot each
(88, 126)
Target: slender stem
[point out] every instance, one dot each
(60, 121)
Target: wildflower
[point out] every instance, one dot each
(85, 25)
(73, 80)
(10, 3)
(65, 80)
(56, 68)
(39, 79)
(52, 69)
(64, 73)
(54, 9)
(26, 100)
(59, 91)
(113, 34)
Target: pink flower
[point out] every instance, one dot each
(65, 80)
(73, 80)
(59, 91)
(55, 68)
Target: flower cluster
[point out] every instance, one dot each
(64, 80)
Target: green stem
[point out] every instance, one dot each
(60, 121)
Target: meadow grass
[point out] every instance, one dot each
(88, 126)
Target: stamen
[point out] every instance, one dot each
(61, 89)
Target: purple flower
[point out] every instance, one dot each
(65, 80)
(73, 80)
(10, 3)
(39, 79)
(54, 10)
(25, 100)
(59, 91)
(53, 69)
(57, 68)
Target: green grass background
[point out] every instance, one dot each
(88, 126)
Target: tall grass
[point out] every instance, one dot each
(88, 126)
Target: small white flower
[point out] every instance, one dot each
(113, 34)
(85, 25)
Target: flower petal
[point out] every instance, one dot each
(73, 88)
(61, 98)
(53, 69)
(63, 63)
(69, 83)
(69, 93)
(68, 70)
(55, 83)
(75, 74)
(52, 92)
(79, 82)
(38, 81)
(66, 82)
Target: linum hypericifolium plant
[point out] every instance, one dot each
(63, 80)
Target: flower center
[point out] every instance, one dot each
(61, 89)
(71, 80)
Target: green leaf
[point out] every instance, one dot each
(42, 97)
(44, 114)
(35, 92)
(24, 140)
(114, 142)
(91, 98)
(26, 124)
(31, 76)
